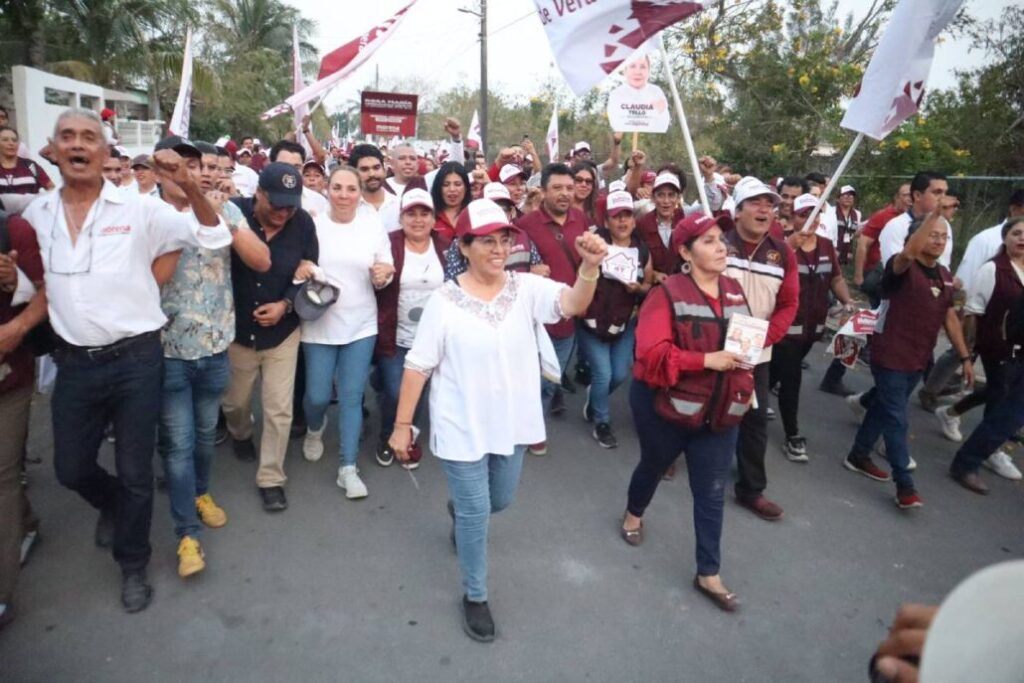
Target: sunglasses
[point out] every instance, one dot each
(584, 180)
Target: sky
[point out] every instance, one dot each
(438, 44)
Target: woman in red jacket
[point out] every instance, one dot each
(418, 253)
(688, 394)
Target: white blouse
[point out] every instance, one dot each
(347, 251)
(482, 358)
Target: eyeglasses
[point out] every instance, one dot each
(492, 243)
(53, 238)
(584, 180)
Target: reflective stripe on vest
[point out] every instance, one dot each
(685, 407)
(823, 269)
(754, 267)
(738, 408)
(682, 309)
(519, 260)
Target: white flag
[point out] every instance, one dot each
(183, 105)
(592, 39)
(474, 130)
(298, 83)
(551, 139)
(893, 85)
(337, 65)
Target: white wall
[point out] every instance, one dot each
(36, 117)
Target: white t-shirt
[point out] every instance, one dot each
(893, 238)
(484, 365)
(980, 248)
(388, 211)
(982, 286)
(314, 203)
(347, 251)
(421, 275)
(398, 187)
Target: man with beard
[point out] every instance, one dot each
(369, 164)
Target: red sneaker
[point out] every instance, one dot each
(907, 499)
(538, 448)
(863, 465)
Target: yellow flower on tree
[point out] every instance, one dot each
(903, 143)
(804, 79)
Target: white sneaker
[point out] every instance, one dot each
(348, 479)
(313, 443)
(854, 402)
(1000, 463)
(950, 424)
(912, 465)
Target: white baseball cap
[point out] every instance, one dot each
(497, 192)
(580, 146)
(616, 186)
(416, 196)
(666, 178)
(618, 202)
(804, 202)
(847, 189)
(749, 187)
(510, 171)
(482, 217)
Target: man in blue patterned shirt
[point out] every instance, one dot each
(198, 302)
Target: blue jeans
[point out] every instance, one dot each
(610, 365)
(188, 424)
(1004, 415)
(388, 382)
(122, 388)
(563, 349)
(479, 489)
(887, 417)
(348, 365)
(708, 459)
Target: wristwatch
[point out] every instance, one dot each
(288, 308)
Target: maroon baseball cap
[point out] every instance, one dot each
(694, 225)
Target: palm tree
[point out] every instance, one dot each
(246, 26)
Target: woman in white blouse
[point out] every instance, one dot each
(355, 256)
(477, 342)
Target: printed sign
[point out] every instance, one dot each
(622, 264)
(388, 113)
(746, 336)
(638, 106)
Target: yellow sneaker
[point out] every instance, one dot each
(210, 513)
(190, 557)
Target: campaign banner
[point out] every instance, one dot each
(388, 113)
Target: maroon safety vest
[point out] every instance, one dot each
(613, 305)
(716, 399)
(663, 259)
(915, 312)
(815, 271)
(991, 342)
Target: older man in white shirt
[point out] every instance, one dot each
(98, 245)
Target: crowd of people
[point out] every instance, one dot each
(166, 284)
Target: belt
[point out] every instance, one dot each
(110, 351)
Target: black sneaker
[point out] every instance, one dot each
(928, 400)
(796, 448)
(557, 403)
(769, 413)
(104, 535)
(477, 621)
(836, 388)
(605, 437)
(583, 374)
(298, 429)
(274, 499)
(385, 456)
(136, 593)
(568, 384)
(220, 436)
(245, 449)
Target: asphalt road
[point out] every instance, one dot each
(335, 590)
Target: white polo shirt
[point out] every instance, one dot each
(101, 289)
(980, 249)
(389, 211)
(893, 238)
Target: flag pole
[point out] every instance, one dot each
(695, 166)
(834, 180)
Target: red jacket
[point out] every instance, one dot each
(387, 298)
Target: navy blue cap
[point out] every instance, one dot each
(282, 184)
(180, 145)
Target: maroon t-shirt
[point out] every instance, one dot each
(26, 177)
(21, 360)
(916, 303)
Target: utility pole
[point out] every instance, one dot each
(482, 14)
